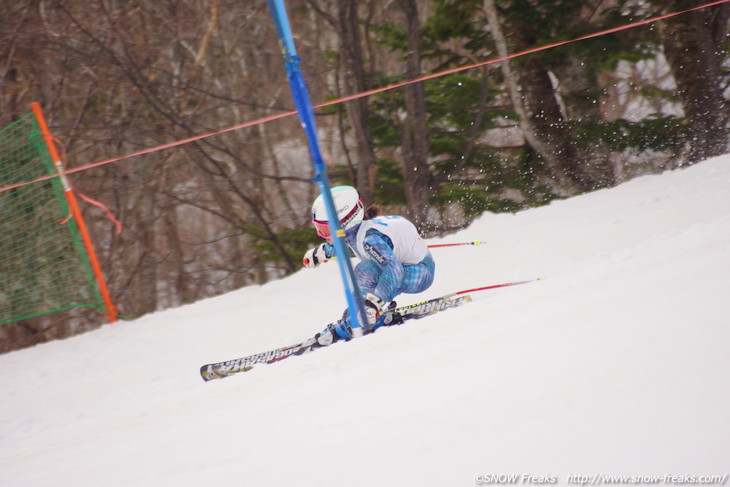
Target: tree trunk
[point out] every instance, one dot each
(693, 43)
(544, 123)
(358, 110)
(579, 91)
(538, 94)
(414, 131)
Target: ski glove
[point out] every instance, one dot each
(373, 305)
(315, 256)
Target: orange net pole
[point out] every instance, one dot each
(111, 310)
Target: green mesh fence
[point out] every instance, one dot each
(43, 264)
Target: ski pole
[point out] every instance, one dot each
(476, 243)
(405, 310)
(495, 286)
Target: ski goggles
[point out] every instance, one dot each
(322, 228)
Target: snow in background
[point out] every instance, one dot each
(616, 363)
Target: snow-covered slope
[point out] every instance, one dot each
(616, 363)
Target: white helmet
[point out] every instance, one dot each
(348, 204)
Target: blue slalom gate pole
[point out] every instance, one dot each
(306, 116)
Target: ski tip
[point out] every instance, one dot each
(206, 375)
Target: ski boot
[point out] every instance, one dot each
(334, 332)
(389, 316)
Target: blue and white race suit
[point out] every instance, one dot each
(394, 257)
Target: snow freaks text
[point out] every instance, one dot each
(600, 479)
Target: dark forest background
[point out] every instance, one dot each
(230, 210)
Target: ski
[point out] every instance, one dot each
(415, 311)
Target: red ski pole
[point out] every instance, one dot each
(476, 243)
(495, 286)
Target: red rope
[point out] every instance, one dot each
(101, 205)
(370, 92)
(106, 209)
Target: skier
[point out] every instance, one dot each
(394, 259)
